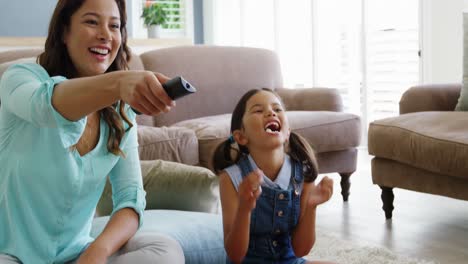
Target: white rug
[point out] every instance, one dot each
(330, 248)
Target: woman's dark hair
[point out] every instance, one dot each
(298, 148)
(56, 60)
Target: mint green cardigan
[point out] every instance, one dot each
(48, 192)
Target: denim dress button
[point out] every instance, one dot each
(280, 213)
(275, 243)
(281, 196)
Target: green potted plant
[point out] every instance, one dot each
(154, 16)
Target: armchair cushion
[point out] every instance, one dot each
(436, 142)
(175, 186)
(326, 131)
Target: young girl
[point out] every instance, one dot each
(268, 194)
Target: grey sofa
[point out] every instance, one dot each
(190, 133)
(425, 149)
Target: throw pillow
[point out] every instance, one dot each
(462, 104)
(175, 186)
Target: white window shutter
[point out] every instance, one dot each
(392, 60)
(392, 67)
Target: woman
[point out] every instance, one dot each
(65, 124)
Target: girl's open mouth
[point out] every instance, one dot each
(272, 127)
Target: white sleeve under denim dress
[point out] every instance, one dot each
(48, 192)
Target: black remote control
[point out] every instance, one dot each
(176, 88)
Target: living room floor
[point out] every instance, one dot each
(423, 226)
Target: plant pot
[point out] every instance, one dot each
(154, 31)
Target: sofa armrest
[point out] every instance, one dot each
(434, 97)
(176, 144)
(311, 99)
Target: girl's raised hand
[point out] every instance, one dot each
(143, 91)
(250, 189)
(320, 193)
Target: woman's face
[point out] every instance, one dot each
(93, 39)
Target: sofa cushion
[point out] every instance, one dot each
(199, 234)
(210, 131)
(432, 141)
(168, 143)
(325, 131)
(174, 186)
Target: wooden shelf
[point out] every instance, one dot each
(18, 42)
(160, 42)
(137, 45)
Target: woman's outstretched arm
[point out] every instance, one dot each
(76, 98)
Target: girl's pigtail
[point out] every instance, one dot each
(301, 151)
(222, 157)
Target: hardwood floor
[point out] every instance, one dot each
(423, 226)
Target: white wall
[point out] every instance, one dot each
(442, 40)
(25, 18)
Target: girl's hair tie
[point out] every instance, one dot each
(231, 139)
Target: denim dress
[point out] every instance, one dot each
(273, 219)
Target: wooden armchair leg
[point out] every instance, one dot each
(387, 199)
(345, 185)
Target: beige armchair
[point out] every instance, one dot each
(223, 74)
(425, 149)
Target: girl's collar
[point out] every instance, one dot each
(284, 175)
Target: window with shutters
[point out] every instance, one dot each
(368, 49)
(180, 17)
(392, 48)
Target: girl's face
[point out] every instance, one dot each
(93, 39)
(264, 123)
